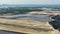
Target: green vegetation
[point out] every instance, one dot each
(17, 10)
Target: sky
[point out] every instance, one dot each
(29, 1)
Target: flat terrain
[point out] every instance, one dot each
(46, 12)
(27, 26)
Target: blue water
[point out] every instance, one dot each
(28, 17)
(32, 18)
(35, 18)
(5, 32)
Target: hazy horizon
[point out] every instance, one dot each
(29, 1)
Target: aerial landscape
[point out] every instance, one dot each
(17, 17)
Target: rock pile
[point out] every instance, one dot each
(56, 22)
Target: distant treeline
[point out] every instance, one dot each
(17, 10)
(23, 10)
